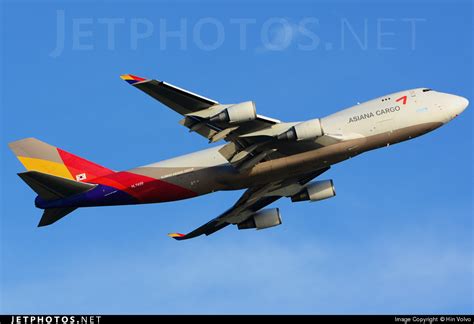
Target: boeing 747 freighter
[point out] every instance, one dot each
(269, 158)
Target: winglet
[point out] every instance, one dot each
(177, 236)
(130, 78)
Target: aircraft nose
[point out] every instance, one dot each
(458, 104)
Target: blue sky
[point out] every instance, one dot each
(397, 238)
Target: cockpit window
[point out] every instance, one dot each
(426, 90)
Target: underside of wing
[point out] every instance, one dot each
(196, 107)
(247, 211)
(180, 100)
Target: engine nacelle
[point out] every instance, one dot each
(263, 219)
(238, 113)
(314, 191)
(307, 130)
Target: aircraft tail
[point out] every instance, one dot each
(54, 174)
(49, 187)
(36, 155)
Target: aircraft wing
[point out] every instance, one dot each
(251, 140)
(253, 199)
(192, 106)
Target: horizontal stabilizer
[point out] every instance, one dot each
(50, 187)
(52, 215)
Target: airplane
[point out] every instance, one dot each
(269, 158)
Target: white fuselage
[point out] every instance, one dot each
(385, 114)
(385, 120)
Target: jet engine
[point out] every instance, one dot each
(262, 219)
(314, 191)
(307, 130)
(238, 113)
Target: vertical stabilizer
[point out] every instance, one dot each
(36, 155)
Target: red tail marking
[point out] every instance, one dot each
(81, 169)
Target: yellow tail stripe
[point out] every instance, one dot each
(53, 168)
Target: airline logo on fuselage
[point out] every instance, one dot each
(378, 112)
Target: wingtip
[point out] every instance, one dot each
(130, 78)
(177, 236)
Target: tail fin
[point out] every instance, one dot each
(36, 155)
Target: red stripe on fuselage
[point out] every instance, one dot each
(144, 189)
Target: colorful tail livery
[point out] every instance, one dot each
(54, 174)
(64, 182)
(36, 155)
